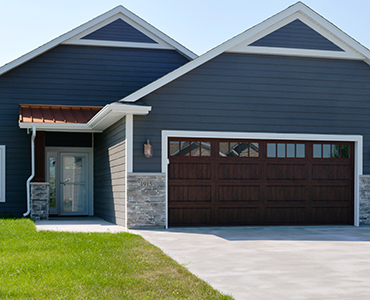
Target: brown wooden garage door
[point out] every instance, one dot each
(257, 182)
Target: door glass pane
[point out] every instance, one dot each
(301, 151)
(335, 151)
(223, 148)
(73, 169)
(73, 185)
(195, 148)
(206, 149)
(74, 198)
(290, 150)
(254, 149)
(326, 151)
(234, 149)
(317, 150)
(281, 150)
(344, 151)
(243, 148)
(271, 150)
(185, 151)
(174, 148)
(52, 179)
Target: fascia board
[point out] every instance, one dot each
(111, 113)
(59, 40)
(58, 127)
(299, 7)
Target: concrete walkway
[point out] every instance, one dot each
(257, 263)
(78, 224)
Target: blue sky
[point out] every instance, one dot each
(197, 24)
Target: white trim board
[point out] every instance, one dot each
(2, 173)
(119, 10)
(353, 48)
(357, 139)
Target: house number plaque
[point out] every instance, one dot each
(146, 183)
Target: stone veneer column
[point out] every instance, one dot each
(365, 200)
(146, 200)
(40, 200)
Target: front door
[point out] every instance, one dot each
(70, 182)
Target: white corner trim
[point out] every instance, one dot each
(2, 173)
(327, 29)
(356, 139)
(69, 35)
(129, 142)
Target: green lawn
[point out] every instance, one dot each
(61, 265)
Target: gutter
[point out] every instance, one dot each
(32, 172)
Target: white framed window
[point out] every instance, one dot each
(2, 173)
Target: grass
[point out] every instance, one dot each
(61, 265)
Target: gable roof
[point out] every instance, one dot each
(242, 43)
(78, 35)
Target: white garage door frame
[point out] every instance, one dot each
(356, 139)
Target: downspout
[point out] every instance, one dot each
(32, 172)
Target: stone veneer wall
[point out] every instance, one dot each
(365, 200)
(146, 200)
(40, 200)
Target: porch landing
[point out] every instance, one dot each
(78, 224)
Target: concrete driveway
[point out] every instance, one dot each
(318, 262)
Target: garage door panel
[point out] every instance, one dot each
(331, 193)
(190, 171)
(286, 193)
(238, 171)
(286, 215)
(238, 193)
(280, 171)
(239, 216)
(331, 172)
(190, 193)
(304, 184)
(332, 215)
(189, 216)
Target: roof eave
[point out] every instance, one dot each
(362, 51)
(70, 34)
(106, 117)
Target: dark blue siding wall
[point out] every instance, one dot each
(70, 75)
(296, 35)
(260, 93)
(119, 31)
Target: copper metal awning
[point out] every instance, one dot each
(76, 118)
(57, 113)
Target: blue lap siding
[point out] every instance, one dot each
(68, 75)
(119, 31)
(296, 35)
(259, 93)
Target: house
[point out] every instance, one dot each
(269, 128)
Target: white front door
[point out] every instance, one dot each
(70, 179)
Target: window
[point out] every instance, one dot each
(238, 149)
(331, 151)
(190, 148)
(2, 173)
(285, 150)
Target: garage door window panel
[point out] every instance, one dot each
(331, 151)
(285, 150)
